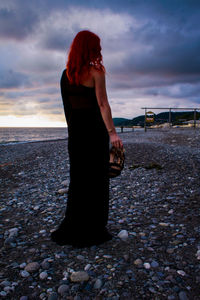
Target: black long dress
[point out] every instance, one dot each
(87, 209)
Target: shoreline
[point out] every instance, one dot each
(27, 142)
(129, 132)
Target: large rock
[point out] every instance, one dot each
(79, 276)
(32, 267)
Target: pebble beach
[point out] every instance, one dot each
(154, 217)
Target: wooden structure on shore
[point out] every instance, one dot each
(195, 109)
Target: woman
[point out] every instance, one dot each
(90, 127)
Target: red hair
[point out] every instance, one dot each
(85, 51)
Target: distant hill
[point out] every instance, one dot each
(119, 121)
(176, 117)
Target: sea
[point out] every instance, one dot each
(19, 135)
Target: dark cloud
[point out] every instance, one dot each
(17, 22)
(13, 79)
(167, 57)
(56, 41)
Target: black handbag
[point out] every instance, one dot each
(116, 163)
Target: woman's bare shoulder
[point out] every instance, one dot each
(97, 73)
(97, 70)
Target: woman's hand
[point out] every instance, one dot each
(116, 141)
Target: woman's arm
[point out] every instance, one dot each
(100, 89)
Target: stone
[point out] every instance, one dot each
(87, 267)
(171, 297)
(163, 224)
(65, 182)
(126, 257)
(8, 288)
(62, 290)
(5, 283)
(77, 297)
(32, 267)
(45, 265)
(80, 257)
(3, 294)
(79, 276)
(42, 296)
(154, 264)
(22, 265)
(43, 275)
(98, 284)
(182, 295)
(36, 207)
(123, 235)
(24, 273)
(170, 250)
(138, 262)
(107, 256)
(23, 298)
(53, 296)
(181, 272)
(9, 240)
(13, 232)
(62, 191)
(147, 266)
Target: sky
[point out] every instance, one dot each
(150, 48)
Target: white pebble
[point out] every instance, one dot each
(22, 265)
(13, 230)
(121, 221)
(163, 224)
(181, 272)
(36, 207)
(24, 273)
(147, 265)
(87, 267)
(123, 235)
(43, 275)
(198, 253)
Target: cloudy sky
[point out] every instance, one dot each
(151, 51)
